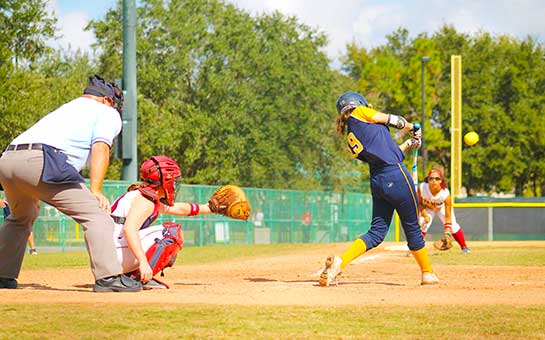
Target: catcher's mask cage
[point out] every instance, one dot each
(162, 171)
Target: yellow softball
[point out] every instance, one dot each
(471, 138)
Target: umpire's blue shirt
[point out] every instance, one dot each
(73, 128)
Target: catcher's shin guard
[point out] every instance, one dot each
(163, 252)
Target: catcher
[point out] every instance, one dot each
(434, 199)
(144, 249)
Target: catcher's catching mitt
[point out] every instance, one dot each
(231, 201)
(445, 243)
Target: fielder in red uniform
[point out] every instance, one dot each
(434, 199)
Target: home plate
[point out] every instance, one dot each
(362, 259)
(398, 247)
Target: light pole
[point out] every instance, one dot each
(129, 131)
(424, 60)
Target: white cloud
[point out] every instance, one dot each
(374, 23)
(71, 34)
(365, 21)
(369, 21)
(72, 30)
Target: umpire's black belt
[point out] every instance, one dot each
(119, 219)
(31, 146)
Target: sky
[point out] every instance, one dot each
(367, 22)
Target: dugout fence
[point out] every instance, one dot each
(497, 219)
(502, 219)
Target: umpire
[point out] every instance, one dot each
(43, 164)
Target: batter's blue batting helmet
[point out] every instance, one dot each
(350, 100)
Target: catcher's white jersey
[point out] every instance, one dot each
(147, 236)
(435, 204)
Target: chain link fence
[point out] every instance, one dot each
(290, 216)
(278, 216)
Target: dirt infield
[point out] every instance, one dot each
(378, 277)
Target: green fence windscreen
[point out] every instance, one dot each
(289, 216)
(278, 216)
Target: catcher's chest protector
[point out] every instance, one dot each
(162, 253)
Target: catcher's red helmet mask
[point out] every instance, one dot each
(161, 171)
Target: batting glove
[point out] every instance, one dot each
(414, 143)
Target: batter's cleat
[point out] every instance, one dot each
(331, 271)
(120, 283)
(154, 284)
(466, 250)
(6, 283)
(429, 278)
(33, 251)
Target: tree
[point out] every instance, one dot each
(233, 98)
(25, 28)
(502, 100)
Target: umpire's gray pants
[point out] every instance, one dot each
(20, 175)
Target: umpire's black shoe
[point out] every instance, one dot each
(8, 283)
(119, 283)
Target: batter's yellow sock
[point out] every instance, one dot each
(423, 260)
(357, 248)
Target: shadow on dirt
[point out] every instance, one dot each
(37, 286)
(191, 284)
(262, 279)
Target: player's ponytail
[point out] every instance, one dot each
(342, 124)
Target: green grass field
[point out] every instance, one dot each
(175, 321)
(288, 322)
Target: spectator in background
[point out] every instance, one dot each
(5, 208)
(32, 248)
(306, 219)
(258, 218)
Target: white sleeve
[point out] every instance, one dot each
(107, 126)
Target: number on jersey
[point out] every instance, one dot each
(354, 144)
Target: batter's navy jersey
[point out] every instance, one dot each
(391, 184)
(370, 142)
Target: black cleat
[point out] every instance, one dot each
(120, 283)
(8, 283)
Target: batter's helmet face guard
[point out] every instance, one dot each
(350, 100)
(99, 87)
(161, 171)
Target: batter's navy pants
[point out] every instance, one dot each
(393, 189)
